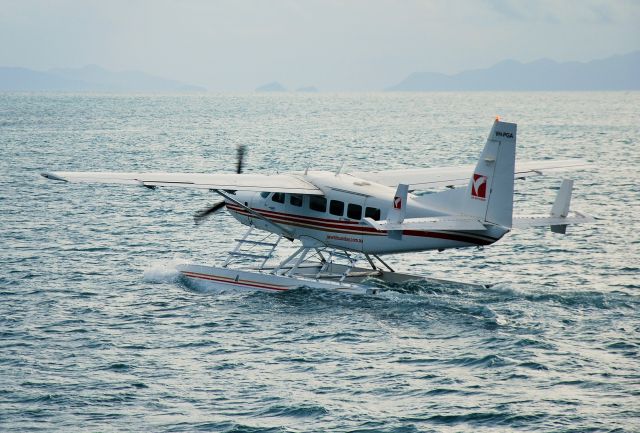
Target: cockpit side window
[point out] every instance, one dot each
(295, 199)
(264, 194)
(278, 197)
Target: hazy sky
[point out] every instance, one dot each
(237, 45)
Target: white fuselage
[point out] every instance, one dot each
(335, 219)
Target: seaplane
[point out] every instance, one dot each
(342, 223)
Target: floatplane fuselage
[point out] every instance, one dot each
(337, 219)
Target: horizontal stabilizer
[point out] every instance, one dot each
(286, 183)
(560, 216)
(431, 224)
(521, 222)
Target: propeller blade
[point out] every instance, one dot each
(241, 151)
(200, 216)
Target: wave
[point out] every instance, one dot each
(163, 272)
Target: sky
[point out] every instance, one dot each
(335, 45)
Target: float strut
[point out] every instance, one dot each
(287, 260)
(373, 265)
(303, 254)
(382, 261)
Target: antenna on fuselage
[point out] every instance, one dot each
(339, 168)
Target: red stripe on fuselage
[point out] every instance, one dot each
(353, 227)
(450, 237)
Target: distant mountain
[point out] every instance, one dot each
(14, 79)
(90, 78)
(271, 87)
(613, 73)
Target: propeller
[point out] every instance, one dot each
(241, 151)
(203, 214)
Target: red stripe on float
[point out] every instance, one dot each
(227, 280)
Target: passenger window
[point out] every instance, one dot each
(264, 194)
(373, 213)
(354, 211)
(336, 207)
(278, 197)
(295, 199)
(318, 203)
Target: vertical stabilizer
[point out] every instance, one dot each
(489, 195)
(561, 205)
(398, 209)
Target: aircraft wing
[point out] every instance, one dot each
(434, 224)
(222, 181)
(435, 178)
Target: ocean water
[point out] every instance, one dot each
(97, 332)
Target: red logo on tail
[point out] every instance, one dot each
(397, 203)
(479, 187)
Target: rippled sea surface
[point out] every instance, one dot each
(97, 332)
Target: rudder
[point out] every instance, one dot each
(489, 195)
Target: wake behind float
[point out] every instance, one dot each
(343, 218)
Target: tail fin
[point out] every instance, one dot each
(489, 195)
(398, 209)
(561, 205)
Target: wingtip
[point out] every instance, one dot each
(52, 176)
